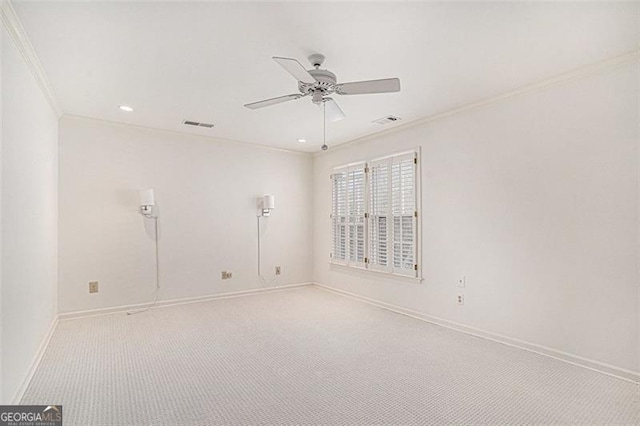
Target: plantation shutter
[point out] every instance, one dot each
(356, 218)
(404, 212)
(380, 215)
(339, 217)
(374, 215)
(348, 215)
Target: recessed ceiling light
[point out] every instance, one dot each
(302, 140)
(125, 108)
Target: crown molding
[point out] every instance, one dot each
(599, 67)
(140, 127)
(18, 34)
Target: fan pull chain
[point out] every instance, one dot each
(324, 125)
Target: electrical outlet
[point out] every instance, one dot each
(278, 270)
(226, 275)
(93, 286)
(460, 299)
(461, 281)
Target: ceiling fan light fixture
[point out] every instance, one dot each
(317, 97)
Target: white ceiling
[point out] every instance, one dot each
(203, 61)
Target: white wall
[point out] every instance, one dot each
(206, 194)
(535, 201)
(29, 217)
(2, 399)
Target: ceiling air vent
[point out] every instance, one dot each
(388, 119)
(197, 124)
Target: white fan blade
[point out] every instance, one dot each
(296, 69)
(385, 85)
(272, 101)
(333, 111)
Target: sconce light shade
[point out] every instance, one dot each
(147, 198)
(269, 202)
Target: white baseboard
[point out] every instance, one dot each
(173, 302)
(590, 364)
(35, 362)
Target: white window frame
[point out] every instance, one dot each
(369, 265)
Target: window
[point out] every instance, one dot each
(374, 212)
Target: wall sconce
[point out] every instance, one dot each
(147, 202)
(268, 204)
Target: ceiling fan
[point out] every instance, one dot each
(319, 83)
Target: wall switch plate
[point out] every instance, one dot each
(93, 286)
(278, 270)
(461, 281)
(460, 299)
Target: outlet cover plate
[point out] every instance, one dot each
(461, 281)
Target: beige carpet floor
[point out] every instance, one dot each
(308, 356)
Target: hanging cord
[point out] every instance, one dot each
(263, 281)
(324, 124)
(157, 290)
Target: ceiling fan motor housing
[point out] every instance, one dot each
(325, 83)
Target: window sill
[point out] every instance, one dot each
(372, 272)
